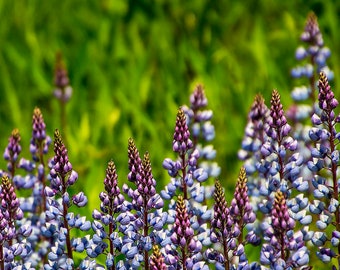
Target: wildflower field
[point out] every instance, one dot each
(169, 135)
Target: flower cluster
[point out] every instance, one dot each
(315, 55)
(286, 198)
(228, 226)
(202, 130)
(12, 151)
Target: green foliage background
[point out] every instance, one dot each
(133, 63)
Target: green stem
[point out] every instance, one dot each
(184, 173)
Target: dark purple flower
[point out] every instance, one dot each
(12, 151)
(278, 126)
(135, 162)
(40, 141)
(182, 142)
(10, 203)
(183, 233)
(63, 89)
(327, 101)
(312, 34)
(39, 145)
(182, 236)
(198, 99)
(147, 184)
(283, 245)
(221, 224)
(111, 199)
(281, 221)
(240, 209)
(61, 164)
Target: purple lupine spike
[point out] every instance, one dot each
(325, 156)
(312, 32)
(107, 220)
(157, 260)
(181, 142)
(61, 163)
(283, 247)
(240, 208)
(198, 99)
(12, 151)
(9, 200)
(277, 146)
(279, 127)
(255, 134)
(327, 101)
(281, 221)
(10, 206)
(221, 224)
(135, 162)
(113, 199)
(258, 110)
(146, 185)
(183, 233)
(63, 90)
(314, 58)
(40, 141)
(182, 236)
(39, 127)
(39, 145)
(62, 177)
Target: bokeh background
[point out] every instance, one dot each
(133, 63)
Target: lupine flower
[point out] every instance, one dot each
(283, 248)
(10, 206)
(182, 142)
(185, 168)
(221, 228)
(255, 134)
(227, 226)
(157, 260)
(12, 151)
(57, 214)
(316, 54)
(186, 246)
(276, 148)
(40, 140)
(254, 137)
(202, 130)
(112, 204)
(148, 218)
(63, 90)
(240, 209)
(38, 148)
(135, 161)
(187, 178)
(12, 242)
(324, 165)
(35, 179)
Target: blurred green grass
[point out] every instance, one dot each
(133, 63)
